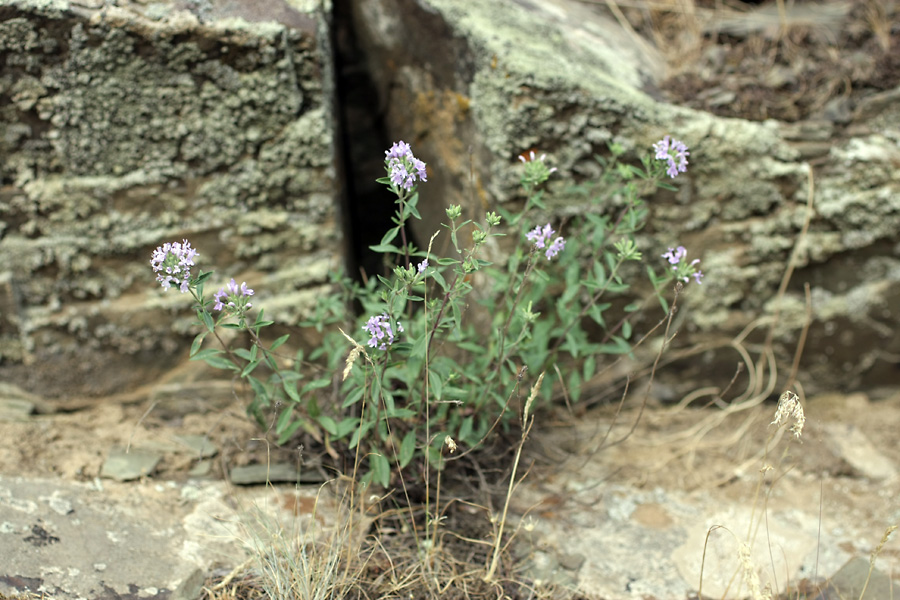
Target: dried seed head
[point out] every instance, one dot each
(789, 408)
(534, 392)
(448, 441)
(751, 577)
(351, 358)
(354, 354)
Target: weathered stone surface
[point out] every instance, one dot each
(275, 473)
(472, 85)
(112, 540)
(128, 464)
(128, 125)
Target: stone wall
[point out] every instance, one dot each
(472, 85)
(128, 126)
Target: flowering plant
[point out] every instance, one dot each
(435, 371)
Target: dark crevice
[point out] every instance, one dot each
(368, 205)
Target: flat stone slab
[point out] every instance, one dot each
(275, 473)
(102, 540)
(126, 465)
(108, 540)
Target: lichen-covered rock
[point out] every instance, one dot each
(127, 126)
(473, 84)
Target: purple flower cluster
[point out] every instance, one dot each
(674, 152)
(172, 264)
(379, 327)
(422, 266)
(683, 271)
(404, 168)
(540, 237)
(234, 297)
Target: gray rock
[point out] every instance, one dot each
(134, 463)
(851, 445)
(276, 473)
(127, 540)
(152, 124)
(198, 445)
(502, 77)
(850, 580)
(15, 409)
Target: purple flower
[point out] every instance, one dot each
(379, 327)
(555, 248)
(540, 237)
(674, 255)
(233, 297)
(422, 266)
(403, 168)
(398, 150)
(682, 270)
(172, 263)
(674, 152)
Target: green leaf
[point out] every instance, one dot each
(315, 384)
(250, 367)
(198, 341)
(289, 431)
(389, 236)
(418, 346)
(381, 469)
(440, 279)
(346, 426)
(575, 385)
(407, 448)
(353, 397)
(385, 248)
(360, 432)
(436, 385)
(328, 424)
(259, 390)
(398, 413)
(279, 341)
(619, 346)
(410, 208)
(465, 431)
(626, 330)
(207, 320)
(243, 353)
(213, 358)
(284, 419)
(290, 388)
(589, 367)
(202, 277)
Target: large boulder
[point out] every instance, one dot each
(128, 125)
(473, 84)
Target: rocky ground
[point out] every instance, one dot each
(619, 520)
(609, 519)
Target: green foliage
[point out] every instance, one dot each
(450, 371)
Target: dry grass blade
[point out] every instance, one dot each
(825, 17)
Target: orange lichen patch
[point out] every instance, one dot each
(298, 505)
(441, 117)
(652, 516)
